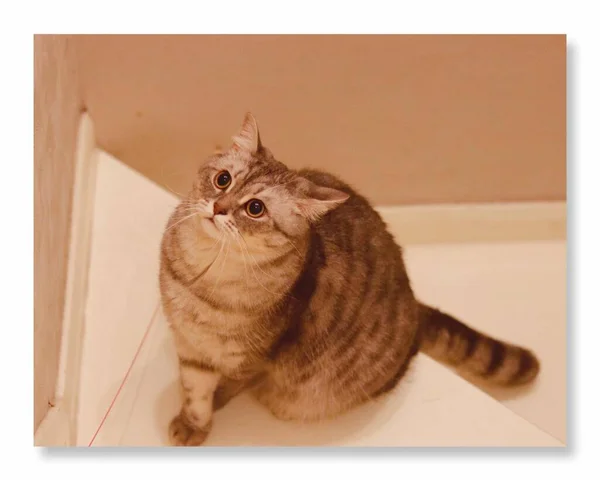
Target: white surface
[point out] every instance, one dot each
(516, 292)
(513, 290)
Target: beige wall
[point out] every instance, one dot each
(407, 119)
(56, 113)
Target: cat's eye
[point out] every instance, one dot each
(222, 179)
(255, 208)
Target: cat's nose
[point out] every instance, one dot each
(219, 208)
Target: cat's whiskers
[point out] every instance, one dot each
(215, 243)
(255, 261)
(300, 256)
(246, 253)
(259, 329)
(198, 207)
(210, 295)
(182, 220)
(235, 235)
(188, 201)
(263, 330)
(221, 243)
(276, 294)
(187, 206)
(177, 194)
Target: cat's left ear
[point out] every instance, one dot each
(313, 201)
(248, 138)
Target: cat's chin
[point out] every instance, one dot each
(211, 230)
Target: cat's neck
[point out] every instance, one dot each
(234, 272)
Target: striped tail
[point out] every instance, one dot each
(450, 341)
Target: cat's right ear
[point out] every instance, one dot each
(312, 201)
(248, 138)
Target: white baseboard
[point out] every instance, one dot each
(475, 223)
(469, 223)
(59, 427)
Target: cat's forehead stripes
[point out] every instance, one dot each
(255, 190)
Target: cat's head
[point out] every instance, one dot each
(246, 191)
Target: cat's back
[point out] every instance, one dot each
(357, 325)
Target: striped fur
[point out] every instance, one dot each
(446, 339)
(308, 307)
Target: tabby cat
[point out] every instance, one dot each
(288, 284)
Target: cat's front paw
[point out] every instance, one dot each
(182, 433)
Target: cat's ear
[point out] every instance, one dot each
(248, 138)
(313, 201)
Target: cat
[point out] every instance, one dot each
(288, 284)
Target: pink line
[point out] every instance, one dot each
(112, 403)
